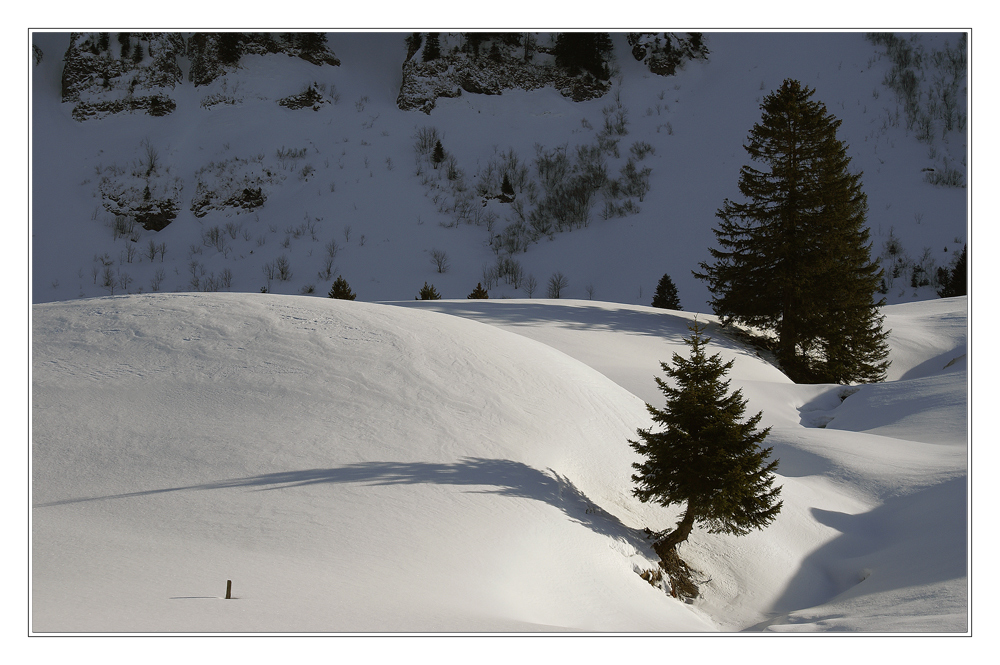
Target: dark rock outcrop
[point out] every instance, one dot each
(488, 64)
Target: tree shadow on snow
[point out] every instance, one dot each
(487, 476)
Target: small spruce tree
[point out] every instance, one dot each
(506, 189)
(954, 282)
(666, 294)
(438, 155)
(479, 293)
(342, 290)
(428, 292)
(705, 456)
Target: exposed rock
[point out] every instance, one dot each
(665, 52)
(214, 53)
(138, 78)
(107, 73)
(311, 97)
(146, 191)
(514, 62)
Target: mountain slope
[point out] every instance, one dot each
(347, 172)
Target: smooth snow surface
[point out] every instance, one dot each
(358, 467)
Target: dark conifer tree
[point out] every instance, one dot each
(507, 189)
(795, 258)
(705, 456)
(479, 293)
(428, 292)
(342, 290)
(666, 294)
(229, 45)
(413, 43)
(124, 41)
(438, 155)
(584, 51)
(954, 282)
(310, 43)
(432, 46)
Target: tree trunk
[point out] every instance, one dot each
(677, 536)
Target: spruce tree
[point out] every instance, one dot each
(342, 290)
(666, 294)
(479, 293)
(438, 155)
(795, 257)
(705, 456)
(428, 292)
(506, 189)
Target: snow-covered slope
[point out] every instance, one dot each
(354, 178)
(364, 467)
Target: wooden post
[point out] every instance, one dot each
(229, 589)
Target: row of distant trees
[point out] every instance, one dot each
(557, 284)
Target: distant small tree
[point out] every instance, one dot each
(530, 285)
(229, 47)
(479, 293)
(341, 289)
(413, 43)
(954, 282)
(124, 39)
(507, 189)
(705, 456)
(432, 47)
(428, 292)
(440, 260)
(438, 155)
(588, 51)
(557, 283)
(666, 294)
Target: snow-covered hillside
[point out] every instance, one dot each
(369, 467)
(347, 173)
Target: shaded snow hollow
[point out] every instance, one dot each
(357, 467)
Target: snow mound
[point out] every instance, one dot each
(349, 466)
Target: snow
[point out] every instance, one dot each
(456, 466)
(358, 467)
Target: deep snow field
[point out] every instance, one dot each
(459, 466)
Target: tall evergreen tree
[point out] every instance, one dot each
(666, 294)
(705, 456)
(795, 257)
